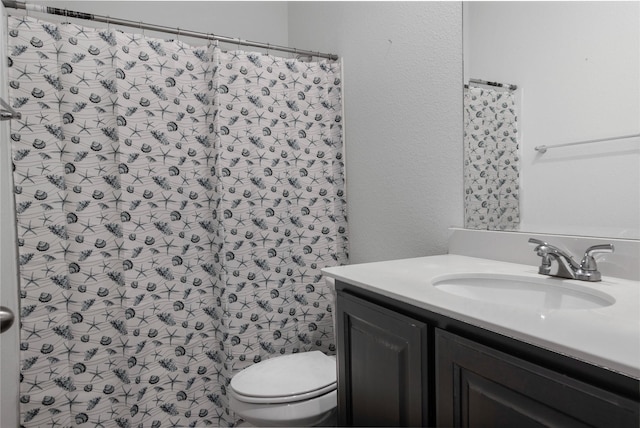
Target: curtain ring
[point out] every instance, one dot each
(268, 48)
(141, 29)
(108, 24)
(178, 38)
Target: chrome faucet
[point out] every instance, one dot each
(556, 262)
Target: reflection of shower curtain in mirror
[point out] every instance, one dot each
(491, 160)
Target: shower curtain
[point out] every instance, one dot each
(491, 160)
(175, 207)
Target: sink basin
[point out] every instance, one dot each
(540, 293)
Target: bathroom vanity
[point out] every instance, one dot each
(413, 350)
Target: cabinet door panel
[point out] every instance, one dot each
(478, 386)
(381, 366)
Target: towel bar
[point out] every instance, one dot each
(543, 149)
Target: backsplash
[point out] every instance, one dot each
(513, 247)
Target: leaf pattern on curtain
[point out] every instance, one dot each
(491, 160)
(175, 207)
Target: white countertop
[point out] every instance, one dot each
(608, 336)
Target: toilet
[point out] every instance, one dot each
(290, 390)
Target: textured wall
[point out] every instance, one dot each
(403, 112)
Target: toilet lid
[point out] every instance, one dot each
(297, 376)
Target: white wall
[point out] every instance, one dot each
(403, 112)
(578, 67)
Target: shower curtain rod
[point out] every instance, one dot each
(499, 85)
(14, 4)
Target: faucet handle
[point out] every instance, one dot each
(588, 263)
(541, 247)
(541, 250)
(537, 242)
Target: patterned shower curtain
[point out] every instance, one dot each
(175, 207)
(491, 160)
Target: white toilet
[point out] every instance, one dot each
(290, 390)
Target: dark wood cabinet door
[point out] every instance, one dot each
(477, 386)
(382, 366)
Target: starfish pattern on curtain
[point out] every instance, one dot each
(175, 206)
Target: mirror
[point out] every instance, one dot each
(577, 70)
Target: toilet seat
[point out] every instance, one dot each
(286, 398)
(284, 379)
